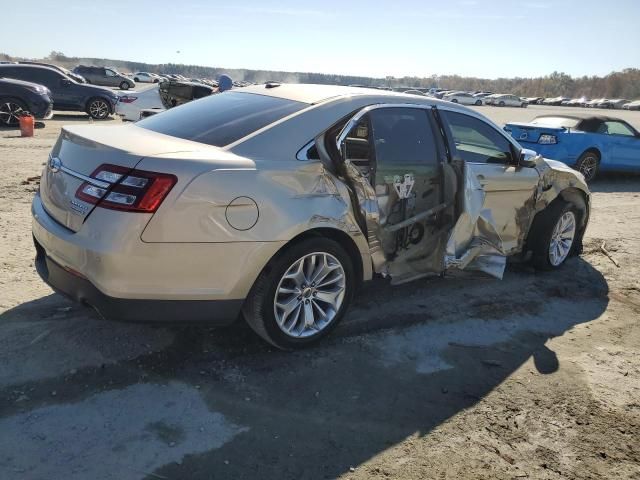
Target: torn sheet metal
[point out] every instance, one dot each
(474, 242)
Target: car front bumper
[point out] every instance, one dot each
(107, 266)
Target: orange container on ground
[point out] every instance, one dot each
(27, 123)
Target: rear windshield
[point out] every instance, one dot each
(221, 119)
(556, 122)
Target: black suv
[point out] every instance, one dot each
(66, 94)
(17, 97)
(108, 77)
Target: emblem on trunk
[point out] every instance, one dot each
(524, 135)
(78, 207)
(54, 164)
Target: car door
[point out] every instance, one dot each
(624, 145)
(396, 152)
(490, 156)
(111, 78)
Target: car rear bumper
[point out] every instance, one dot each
(72, 285)
(106, 265)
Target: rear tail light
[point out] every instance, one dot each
(546, 139)
(127, 99)
(120, 188)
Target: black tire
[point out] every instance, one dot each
(98, 108)
(523, 105)
(136, 79)
(10, 109)
(454, 100)
(539, 238)
(588, 165)
(258, 309)
(478, 103)
(156, 80)
(501, 104)
(125, 86)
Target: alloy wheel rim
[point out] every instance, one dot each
(562, 238)
(10, 113)
(99, 109)
(309, 295)
(588, 167)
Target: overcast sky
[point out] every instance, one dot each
(483, 38)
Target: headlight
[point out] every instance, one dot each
(546, 139)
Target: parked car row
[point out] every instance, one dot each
(55, 89)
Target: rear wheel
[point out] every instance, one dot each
(588, 165)
(501, 104)
(136, 79)
(10, 111)
(553, 235)
(454, 100)
(124, 86)
(302, 294)
(98, 108)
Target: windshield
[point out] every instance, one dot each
(556, 122)
(222, 118)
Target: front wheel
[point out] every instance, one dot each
(98, 109)
(136, 79)
(478, 103)
(553, 234)
(455, 100)
(302, 294)
(124, 86)
(10, 111)
(501, 104)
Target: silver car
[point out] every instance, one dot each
(275, 202)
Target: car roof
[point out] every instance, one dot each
(313, 94)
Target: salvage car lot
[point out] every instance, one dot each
(536, 376)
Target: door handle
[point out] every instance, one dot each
(481, 179)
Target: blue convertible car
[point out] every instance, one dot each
(589, 143)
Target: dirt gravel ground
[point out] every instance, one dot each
(534, 377)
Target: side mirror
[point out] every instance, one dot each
(529, 158)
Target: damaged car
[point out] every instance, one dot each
(275, 202)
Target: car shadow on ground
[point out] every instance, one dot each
(404, 361)
(616, 182)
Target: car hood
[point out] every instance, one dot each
(12, 81)
(98, 90)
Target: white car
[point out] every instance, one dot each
(146, 77)
(503, 100)
(635, 105)
(463, 98)
(130, 105)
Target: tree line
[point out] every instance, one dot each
(624, 84)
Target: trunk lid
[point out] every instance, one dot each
(80, 150)
(530, 133)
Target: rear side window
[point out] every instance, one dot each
(403, 136)
(221, 119)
